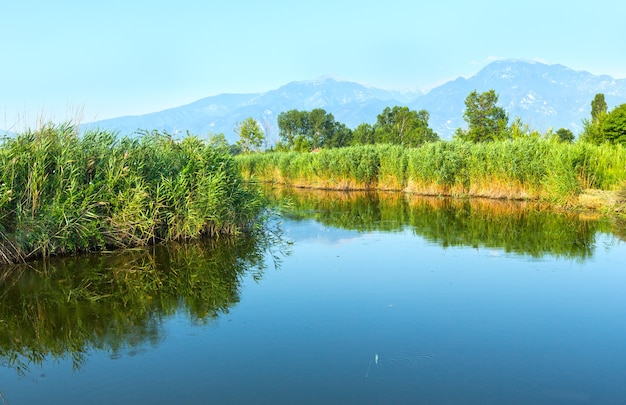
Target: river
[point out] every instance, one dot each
(352, 298)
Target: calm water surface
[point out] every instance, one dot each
(380, 299)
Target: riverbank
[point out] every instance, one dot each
(570, 176)
(61, 193)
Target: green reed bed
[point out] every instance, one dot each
(62, 193)
(341, 168)
(526, 168)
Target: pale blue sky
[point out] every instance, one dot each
(125, 57)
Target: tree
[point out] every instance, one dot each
(614, 125)
(291, 126)
(363, 135)
(341, 136)
(400, 125)
(219, 141)
(250, 135)
(486, 121)
(598, 108)
(593, 129)
(564, 135)
(307, 130)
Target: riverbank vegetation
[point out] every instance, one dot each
(525, 168)
(62, 193)
(490, 158)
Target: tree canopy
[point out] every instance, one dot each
(486, 120)
(593, 131)
(402, 126)
(565, 135)
(614, 125)
(251, 135)
(308, 130)
(598, 108)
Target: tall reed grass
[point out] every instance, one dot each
(525, 168)
(62, 193)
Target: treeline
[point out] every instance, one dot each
(305, 131)
(310, 130)
(486, 122)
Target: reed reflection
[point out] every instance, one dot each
(64, 308)
(520, 227)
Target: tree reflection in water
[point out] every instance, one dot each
(521, 227)
(117, 302)
(64, 308)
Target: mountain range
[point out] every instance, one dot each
(541, 95)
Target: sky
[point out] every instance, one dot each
(85, 61)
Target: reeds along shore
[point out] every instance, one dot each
(527, 168)
(62, 193)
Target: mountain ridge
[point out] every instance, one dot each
(541, 95)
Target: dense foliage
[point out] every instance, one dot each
(62, 193)
(524, 168)
(486, 120)
(605, 126)
(311, 130)
(307, 130)
(251, 135)
(402, 126)
(614, 125)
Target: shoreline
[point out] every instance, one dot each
(592, 201)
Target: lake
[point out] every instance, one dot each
(352, 298)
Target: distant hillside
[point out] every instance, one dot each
(544, 96)
(541, 95)
(351, 103)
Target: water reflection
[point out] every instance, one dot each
(64, 308)
(377, 316)
(520, 227)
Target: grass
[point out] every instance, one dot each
(61, 193)
(530, 168)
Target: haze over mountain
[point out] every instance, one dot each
(543, 96)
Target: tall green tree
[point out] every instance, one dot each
(307, 130)
(598, 108)
(486, 120)
(614, 125)
(593, 131)
(402, 126)
(251, 135)
(291, 126)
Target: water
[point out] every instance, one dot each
(380, 299)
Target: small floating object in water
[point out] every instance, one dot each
(367, 373)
